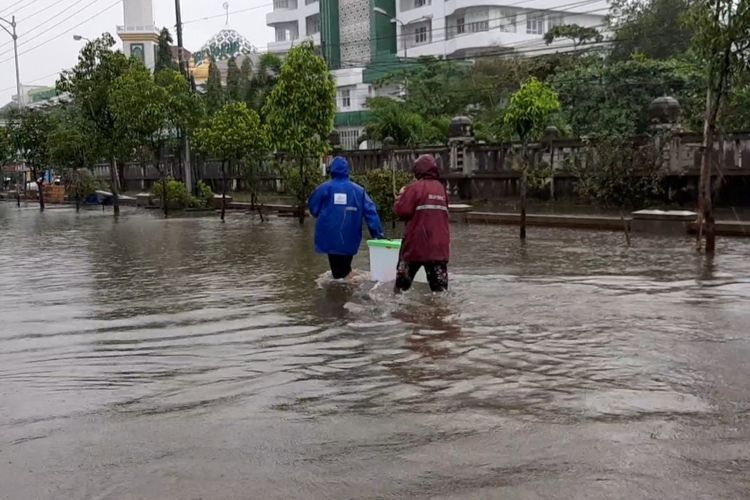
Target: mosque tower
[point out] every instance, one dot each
(139, 35)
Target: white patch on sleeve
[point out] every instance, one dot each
(339, 198)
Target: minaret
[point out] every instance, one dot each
(139, 35)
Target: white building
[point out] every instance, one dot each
(463, 28)
(293, 20)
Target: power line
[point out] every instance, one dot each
(19, 9)
(32, 81)
(66, 31)
(217, 16)
(26, 32)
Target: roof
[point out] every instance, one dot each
(223, 45)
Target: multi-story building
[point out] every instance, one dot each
(359, 38)
(293, 20)
(466, 28)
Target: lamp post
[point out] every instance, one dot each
(394, 20)
(78, 38)
(14, 36)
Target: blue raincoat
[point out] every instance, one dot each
(339, 206)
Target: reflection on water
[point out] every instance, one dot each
(144, 358)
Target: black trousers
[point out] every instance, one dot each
(437, 275)
(341, 265)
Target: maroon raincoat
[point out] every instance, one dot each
(424, 207)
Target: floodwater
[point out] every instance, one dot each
(189, 359)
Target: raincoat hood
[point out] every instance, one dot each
(426, 168)
(339, 168)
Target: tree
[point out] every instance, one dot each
(388, 118)
(601, 99)
(7, 151)
(300, 112)
(151, 111)
(615, 171)
(30, 131)
(263, 81)
(433, 87)
(90, 83)
(71, 149)
(214, 95)
(722, 39)
(653, 28)
(234, 81)
(527, 115)
(8, 154)
(579, 35)
(231, 135)
(164, 59)
(80, 182)
(246, 75)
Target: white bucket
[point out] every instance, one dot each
(384, 260)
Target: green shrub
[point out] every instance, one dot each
(205, 194)
(379, 185)
(176, 193)
(293, 184)
(80, 183)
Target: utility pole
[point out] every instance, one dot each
(14, 36)
(19, 97)
(187, 174)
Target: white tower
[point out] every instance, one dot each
(139, 35)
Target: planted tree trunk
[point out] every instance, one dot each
(223, 189)
(163, 179)
(301, 193)
(78, 202)
(113, 179)
(393, 182)
(523, 187)
(705, 204)
(40, 188)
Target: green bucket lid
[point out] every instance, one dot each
(384, 244)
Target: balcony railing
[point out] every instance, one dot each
(134, 28)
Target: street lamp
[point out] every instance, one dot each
(394, 20)
(14, 36)
(78, 38)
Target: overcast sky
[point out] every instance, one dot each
(46, 29)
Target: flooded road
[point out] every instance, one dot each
(189, 359)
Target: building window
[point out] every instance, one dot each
(345, 96)
(507, 20)
(421, 3)
(421, 35)
(286, 33)
(313, 24)
(460, 25)
(555, 20)
(534, 24)
(280, 4)
(350, 137)
(308, 2)
(479, 26)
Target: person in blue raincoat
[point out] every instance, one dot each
(340, 206)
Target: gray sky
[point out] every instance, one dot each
(51, 24)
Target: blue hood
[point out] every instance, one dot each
(339, 168)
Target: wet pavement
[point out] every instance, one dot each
(189, 359)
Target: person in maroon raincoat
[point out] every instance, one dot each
(423, 204)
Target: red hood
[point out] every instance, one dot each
(426, 168)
